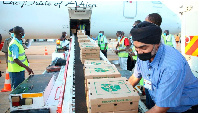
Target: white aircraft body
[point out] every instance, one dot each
(48, 19)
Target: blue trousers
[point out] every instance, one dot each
(16, 78)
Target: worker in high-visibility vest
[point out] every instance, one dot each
(168, 39)
(102, 43)
(17, 60)
(122, 52)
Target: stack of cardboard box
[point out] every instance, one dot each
(80, 32)
(100, 71)
(110, 95)
(89, 51)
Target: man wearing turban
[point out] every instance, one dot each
(165, 71)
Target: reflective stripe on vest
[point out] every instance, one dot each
(134, 57)
(122, 46)
(101, 43)
(82, 27)
(12, 66)
(168, 40)
(10, 55)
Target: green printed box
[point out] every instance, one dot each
(114, 93)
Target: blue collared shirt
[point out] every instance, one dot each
(173, 84)
(15, 49)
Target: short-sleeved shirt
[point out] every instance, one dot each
(172, 82)
(6, 44)
(126, 41)
(15, 49)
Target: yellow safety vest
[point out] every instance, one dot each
(168, 40)
(101, 43)
(122, 46)
(12, 66)
(82, 27)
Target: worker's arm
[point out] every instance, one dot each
(6, 55)
(94, 38)
(129, 42)
(157, 109)
(106, 43)
(105, 46)
(133, 80)
(23, 65)
(117, 45)
(131, 54)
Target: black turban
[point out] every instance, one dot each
(147, 33)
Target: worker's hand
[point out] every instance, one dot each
(104, 50)
(90, 36)
(116, 51)
(30, 71)
(130, 54)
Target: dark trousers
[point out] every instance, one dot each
(130, 63)
(193, 109)
(104, 52)
(16, 78)
(149, 102)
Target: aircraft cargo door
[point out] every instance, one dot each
(79, 16)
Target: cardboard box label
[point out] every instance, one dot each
(110, 88)
(100, 70)
(103, 77)
(116, 101)
(113, 87)
(95, 63)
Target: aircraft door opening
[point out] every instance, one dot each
(79, 16)
(77, 24)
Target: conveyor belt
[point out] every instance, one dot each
(80, 100)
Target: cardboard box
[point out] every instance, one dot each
(111, 95)
(83, 40)
(125, 111)
(82, 36)
(89, 47)
(101, 71)
(90, 55)
(83, 60)
(80, 31)
(96, 62)
(73, 31)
